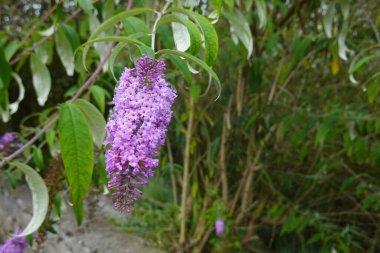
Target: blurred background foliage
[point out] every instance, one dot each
(289, 154)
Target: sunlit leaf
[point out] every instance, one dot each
(65, 51)
(210, 37)
(40, 198)
(186, 34)
(261, 9)
(41, 79)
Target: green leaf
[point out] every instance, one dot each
(108, 9)
(372, 92)
(261, 9)
(5, 73)
(240, 29)
(195, 38)
(51, 141)
(77, 150)
(13, 107)
(299, 49)
(230, 4)
(40, 198)
(38, 158)
(115, 52)
(11, 48)
(78, 213)
(98, 94)
(45, 52)
(95, 121)
(58, 203)
(145, 50)
(209, 34)
(328, 19)
(65, 51)
(41, 79)
(195, 91)
(192, 59)
(49, 31)
(133, 25)
(71, 35)
(217, 5)
(355, 65)
(86, 5)
(182, 67)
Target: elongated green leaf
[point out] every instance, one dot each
(49, 31)
(181, 36)
(11, 48)
(218, 5)
(71, 35)
(355, 65)
(328, 19)
(115, 52)
(145, 50)
(40, 198)
(86, 5)
(192, 59)
(41, 79)
(13, 107)
(230, 4)
(78, 213)
(45, 52)
(108, 9)
(209, 33)
(240, 29)
(77, 150)
(5, 73)
(192, 29)
(94, 119)
(98, 94)
(261, 9)
(134, 25)
(38, 158)
(182, 67)
(65, 51)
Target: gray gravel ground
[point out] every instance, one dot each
(97, 235)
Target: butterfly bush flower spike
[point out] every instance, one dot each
(136, 129)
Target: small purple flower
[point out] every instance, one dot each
(136, 129)
(9, 143)
(14, 244)
(219, 227)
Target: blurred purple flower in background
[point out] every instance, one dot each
(219, 227)
(9, 142)
(14, 244)
(136, 129)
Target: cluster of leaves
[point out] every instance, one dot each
(287, 156)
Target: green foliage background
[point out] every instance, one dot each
(288, 155)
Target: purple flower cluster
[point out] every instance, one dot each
(8, 143)
(136, 129)
(14, 244)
